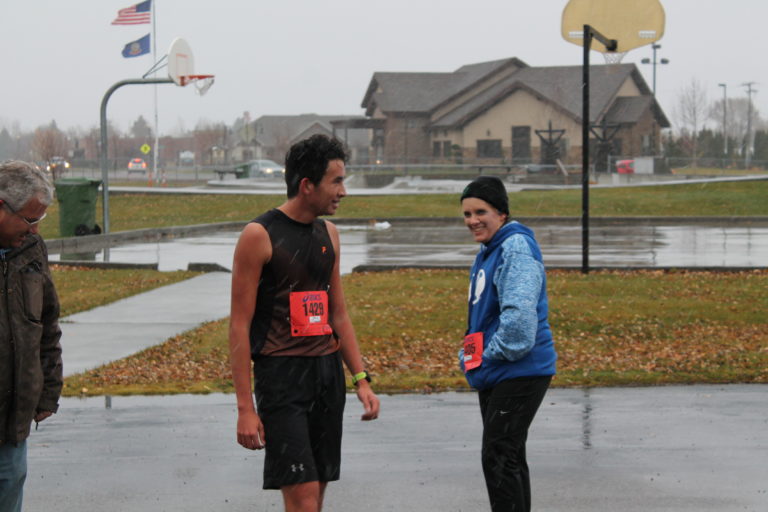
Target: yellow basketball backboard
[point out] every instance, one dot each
(633, 23)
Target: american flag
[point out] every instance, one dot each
(138, 14)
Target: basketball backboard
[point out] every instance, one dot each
(181, 62)
(181, 67)
(632, 23)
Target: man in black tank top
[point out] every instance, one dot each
(289, 318)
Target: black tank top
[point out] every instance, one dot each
(302, 260)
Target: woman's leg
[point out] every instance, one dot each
(508, 410)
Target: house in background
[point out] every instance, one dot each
(505, 110)
(273, 135)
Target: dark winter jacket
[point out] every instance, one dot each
(30, 353)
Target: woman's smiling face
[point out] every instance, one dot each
(482, 219)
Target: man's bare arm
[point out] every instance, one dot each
(341, 323)
(252, 252)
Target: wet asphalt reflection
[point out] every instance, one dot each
(450, 245)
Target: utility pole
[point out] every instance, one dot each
(748, 144)
(725, 122)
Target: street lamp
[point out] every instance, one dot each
(725, 121)
(654, 62)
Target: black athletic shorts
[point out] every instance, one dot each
(300, 401)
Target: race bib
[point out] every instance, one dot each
(473, 351)
(309, 314)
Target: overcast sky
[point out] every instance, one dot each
(59, 57)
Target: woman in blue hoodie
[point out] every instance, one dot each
(508, 353)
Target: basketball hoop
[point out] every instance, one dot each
(613, 57)
(181, 67)
(201, 82)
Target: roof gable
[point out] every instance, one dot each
(423, 92)
(560, 86)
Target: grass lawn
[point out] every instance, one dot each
(136, 211)
(81, 289)
(611, 329)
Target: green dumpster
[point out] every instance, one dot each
(243, 170)
(77, 206)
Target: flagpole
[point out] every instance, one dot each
(154, 59)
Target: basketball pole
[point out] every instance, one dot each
(611, 45)
(103, 144)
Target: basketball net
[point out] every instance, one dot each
(613, 57)
(201, 82)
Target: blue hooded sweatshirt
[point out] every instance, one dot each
(508, 304)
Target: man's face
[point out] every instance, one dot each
(13, 226)
(328, 193)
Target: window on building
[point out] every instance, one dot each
(447, 148)
(489, 148)
(521, 143)
(436, 147)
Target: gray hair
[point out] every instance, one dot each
(21, 181)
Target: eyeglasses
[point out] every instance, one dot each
(30, 222)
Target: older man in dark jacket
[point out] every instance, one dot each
(30, 353)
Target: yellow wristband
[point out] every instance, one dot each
(358, 377)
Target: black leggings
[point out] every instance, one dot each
(508, 410)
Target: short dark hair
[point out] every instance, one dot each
(309, 158)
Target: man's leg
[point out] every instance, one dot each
(306, 497)
(13, 472)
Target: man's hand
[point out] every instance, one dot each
(369, 400)
(250, 430)
(41, 415)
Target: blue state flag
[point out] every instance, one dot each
(137, 47)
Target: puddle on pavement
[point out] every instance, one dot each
(619, 245)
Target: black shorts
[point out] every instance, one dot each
(300, 400)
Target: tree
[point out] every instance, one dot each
(141, 130)
(692, 110)
(210, 140)
(737, 110)
(6, 145)
(761, 148)
(49, 142)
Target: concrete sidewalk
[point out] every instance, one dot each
(107, 333)
(677, 448)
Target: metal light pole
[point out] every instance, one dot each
(654, 62)
(725, 122)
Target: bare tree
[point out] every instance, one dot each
(210, 140)
(49, 142)
(692, 111)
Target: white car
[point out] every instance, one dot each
(137, 164)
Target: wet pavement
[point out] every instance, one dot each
(688, 448)
(449, 244)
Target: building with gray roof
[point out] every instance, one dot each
(507, 111)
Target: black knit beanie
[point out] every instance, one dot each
(491, 190)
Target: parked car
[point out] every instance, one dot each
(625, 166)
(266, 168)
(137, 164)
